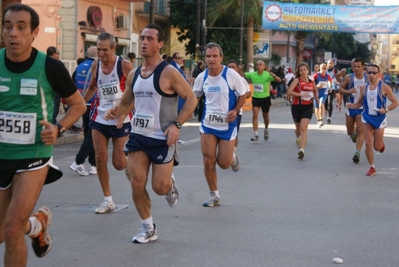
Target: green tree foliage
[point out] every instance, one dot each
(362, 51)
(231, 9)
(342, 45)
(221, 32)
(185, 21)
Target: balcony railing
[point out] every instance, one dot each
(161, 8)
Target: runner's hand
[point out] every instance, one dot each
(232, 115)
(49, 133)
(110, 113)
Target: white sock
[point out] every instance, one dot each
(255, 132)
(372, 165)
(108, 199)
(35, 226)
(216, 192)
(148, 222)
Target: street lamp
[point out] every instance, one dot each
(374, 48)
(241, 32)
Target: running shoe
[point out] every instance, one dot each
(321, 123)
(146, 235)
(93, 170)
(212, 201)
(382, 148)
(106, 207)
(266, 134)
(328, 120)
(356, 157)
(371, 172)
(236, 164)
(298, 143)
(318, 124)
(301, 154)
(41, 242)
(181, 142)
(173, 195)
(353, 137)
(255, 138)
(79, 168)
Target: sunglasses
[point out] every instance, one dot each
(372, 72)
(179, 57)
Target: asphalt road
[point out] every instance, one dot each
(276, 210)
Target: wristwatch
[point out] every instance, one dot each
(61, 130)
(386, 110)
(178, 124)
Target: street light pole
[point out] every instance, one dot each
(204, 25)
(152, 7)
(241, 32)
(288, 49)
(198, 31)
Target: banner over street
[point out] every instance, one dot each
(330, 18)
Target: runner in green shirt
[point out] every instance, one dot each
(261, 96)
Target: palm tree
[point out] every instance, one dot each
(252, 17)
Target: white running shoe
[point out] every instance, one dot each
(298, 142)
(42, 242)
(146, 234)
(173, 195)
(181, 142)
(236, 163)
(106, 207)
(93, 170)
(212, 201)
(79, 169)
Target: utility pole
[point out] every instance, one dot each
(241, 32)
(198, 31)
(204, 2)
(288, 49)
(152, 8)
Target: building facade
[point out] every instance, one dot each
(73, 25)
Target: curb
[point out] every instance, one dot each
(69, 138)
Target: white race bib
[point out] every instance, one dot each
(258, 88)
(356, 95)
(143, 123)
(215, 119)
(109, 91)
(309, 95)
(323, 84)
(17, 127)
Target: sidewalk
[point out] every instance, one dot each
(70, 136)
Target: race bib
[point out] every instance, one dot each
(306, 95)
(215, 119)
(323, 84)
(143, 124)
(258, 88)
(356, 95)
(17, 128)
(109, 91)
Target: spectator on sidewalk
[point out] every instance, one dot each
(83, 76)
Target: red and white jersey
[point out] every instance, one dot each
(304, 88)
(110, 88)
